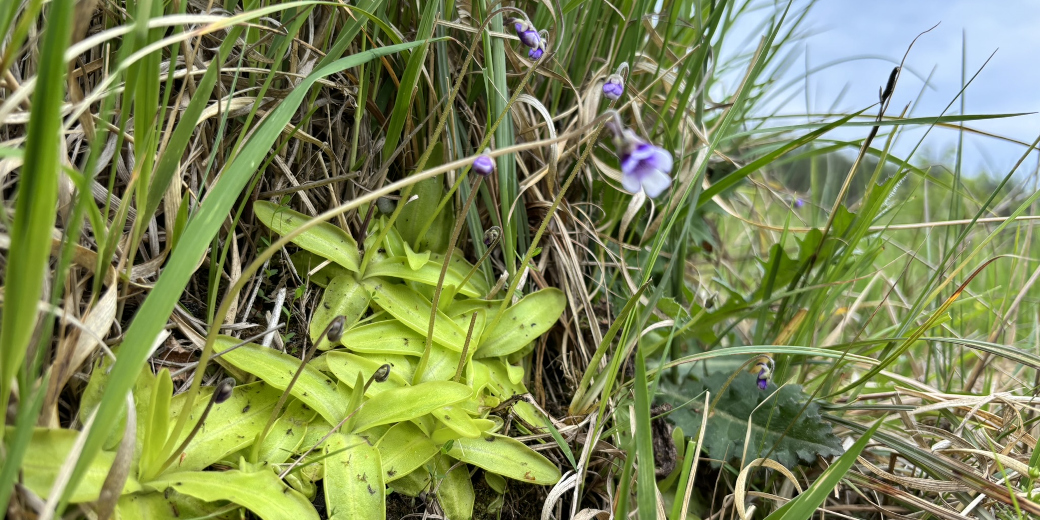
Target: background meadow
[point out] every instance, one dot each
(377, 259)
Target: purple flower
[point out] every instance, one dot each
(614, 87)
(527, 33)
(643, 165)
(484, 165)
(798, 202)
(764, 364)
(536, 53)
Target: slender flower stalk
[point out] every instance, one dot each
(220, 394)
(333, 332)
(420, 368)
(491, 238)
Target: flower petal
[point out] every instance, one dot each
(631, 183)
(655, 182)
(636, 155)
(662, 160)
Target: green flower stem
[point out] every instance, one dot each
(465, 348)
(476, 266)
(487, 136)
(213, 399)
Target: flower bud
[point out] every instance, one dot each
(526, 32)
(385, 205)
(223, 391)
(382, 373)
(334, 331)
(614, 87)
(764, 368)
(484, 165)
(492, 235)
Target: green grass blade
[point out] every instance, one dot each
(646, 481)
(804, 506)
(732, 179)
(404, 102)
(31, 232)
(37, 196)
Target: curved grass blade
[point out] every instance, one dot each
(804, 506)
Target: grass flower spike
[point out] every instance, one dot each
(643, 165)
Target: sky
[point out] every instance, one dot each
(868, 38)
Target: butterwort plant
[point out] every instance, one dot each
(644, 166)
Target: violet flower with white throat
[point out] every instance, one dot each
(643, 166)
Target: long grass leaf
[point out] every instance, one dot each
(804, 506)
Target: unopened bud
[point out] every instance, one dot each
(614, 87)
(382, 373)
(335, 329)
(385, 205)
(484, 165)
(492, 235)
(526, 32)
(224, 389)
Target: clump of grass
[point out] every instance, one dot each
(899, 298)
